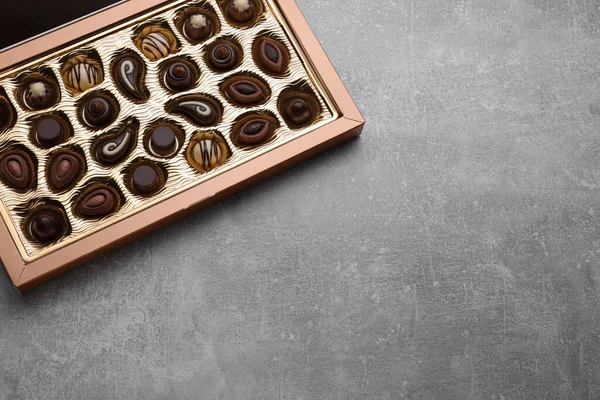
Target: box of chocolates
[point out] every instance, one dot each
(128, 119)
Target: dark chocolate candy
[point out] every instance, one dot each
(6, 114)
(116, 147)
(39, 94)
(199, 110)
(46, 225)
(65, 169)
(272, 56)
(297, 111)
(96, 202)
(163, 141)
(50, 130)
(254, 130)
(223, 56)
(98, 111)
(240, 11)
(198, 27)
(17, 171)
(129, 73)
(146, 179)
(179, 75)
(246, 91)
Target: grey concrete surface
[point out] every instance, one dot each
(452, 252)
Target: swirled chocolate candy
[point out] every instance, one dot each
(146, 178)
(129, 73)
(254, 130)
(246, 91)
(197, 27)
(46, 224)
(98, 111)
(115, 147)
(65, 169)
(298, 112)
(6, 114)
(40, 93)
(271, 55)
(97, 201)
(179, 75)
(199, 110)
(81, 73)
(50, 130)
(223, 56)
(17, 170)
(207, 151)
(156, 42)
(240, 11)
(164, 141)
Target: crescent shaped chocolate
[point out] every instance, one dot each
(254, 130)
(46, 225)
(246, 91)
(97, 202)
(199, 110)
(129, 73)
(116, 147)
(65, 169)
(17, 170)
(272, 56)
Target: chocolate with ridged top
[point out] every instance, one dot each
(17, 170)
(46, 225)
(129, 72)
(65, 169)
(96, 202)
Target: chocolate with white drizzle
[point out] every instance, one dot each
(199, 110)
(156, 42)
(116, 147)
(129, 73)
(206, 151)
(81, 73)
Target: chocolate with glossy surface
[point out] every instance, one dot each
(98, 111)
(65, 169)
(271, 55)
(207, 151)
(246, 91)
(197, 27)
(17, 170)
(81, 73)
(223, 56)
(254, 130)
(46, 224)
(6, 114)
(298, 111)
(97, 201)
(164, 141)
(240, 11)
(129, 73)
(50, 130)
(179, 75)
(39, 94)
(199, 110)
(146, 179)
(115, 147)
(156, 42)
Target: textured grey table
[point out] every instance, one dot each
(452, 252)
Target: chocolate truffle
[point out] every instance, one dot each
(223, 56)
(207, 151)
(17, 170)
(156, 42)
(81, 73)
(199, 110)
(65, 169)
(246, 91)
(114, 148)
(254, 130)
(46, 225)
(98, 111)
(39, 94)
(129, 72)
(97, 201)
(6, 114)
(197, 27)
(163, 141)
(179, 75)
(50, 130)
(272, 56)
(146, 179)
(240, 11)
(298, 112)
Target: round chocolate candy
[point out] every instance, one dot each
(46, 225)
(199, 110)
(163, 141)
(17, 170)
(129, 72)
(254, 130)
(223, 56)
(246, 91)
(179, 75)
(97, 202)
(156, 42)
(6, 114)
(207, 151)
(39, 94)
(65, 169)
(271, 55)
(81, 73)
(49, 130)
(240, 11)
(116, 147)
(197, 27)
(146, 179)
(98, 111)
(298, 112)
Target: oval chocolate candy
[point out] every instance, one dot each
(96, 202)
(65, 169)
(17, 171)
(254, 130)
(246, 91)
(272, 56)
